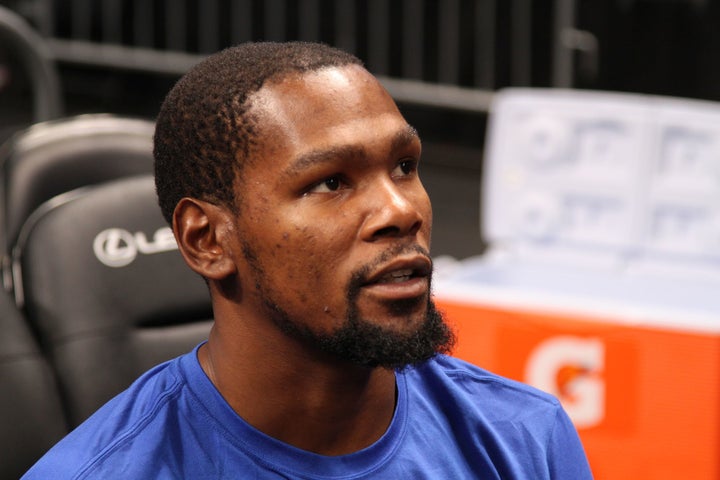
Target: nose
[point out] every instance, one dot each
(394, 210)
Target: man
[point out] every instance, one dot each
(290, 179)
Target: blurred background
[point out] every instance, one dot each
(441, 59)
(615, 313)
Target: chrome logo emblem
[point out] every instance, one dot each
(116, 247)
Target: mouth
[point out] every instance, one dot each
(397, 276)
(400, 279)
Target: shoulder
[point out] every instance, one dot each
(466, 381)
(126, 423)
(480, 400)
(523, 431)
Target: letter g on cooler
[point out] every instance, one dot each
(570, 368)
(116, 247)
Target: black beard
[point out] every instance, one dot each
(361, 342)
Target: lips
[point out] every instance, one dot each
(400, 279)
(401, 269)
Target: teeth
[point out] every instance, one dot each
(397, 276)
(402, 273)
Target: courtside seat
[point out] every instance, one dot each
(56, 156)
(101, 280)
(31, 416)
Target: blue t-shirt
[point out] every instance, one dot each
(452, 421)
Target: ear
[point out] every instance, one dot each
(202, 232)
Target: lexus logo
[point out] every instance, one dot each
(116, 247)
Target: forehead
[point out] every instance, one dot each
(330, 107)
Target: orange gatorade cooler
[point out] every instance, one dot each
(601, 284)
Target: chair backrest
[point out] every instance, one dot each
(102, 281)
(31, 415)
(57, 156)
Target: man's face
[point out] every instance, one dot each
(334, 223)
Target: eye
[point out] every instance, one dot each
(405, 168)
(330, 184)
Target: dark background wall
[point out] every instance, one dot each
(665, 47)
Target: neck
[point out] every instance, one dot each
(313, 403)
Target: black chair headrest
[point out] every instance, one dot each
(57, 156)
(105, 259)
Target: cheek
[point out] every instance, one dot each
(306, 255)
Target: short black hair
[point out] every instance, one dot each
(204, 133)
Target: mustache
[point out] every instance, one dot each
(361, 276)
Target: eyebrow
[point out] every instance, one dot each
(317, 157)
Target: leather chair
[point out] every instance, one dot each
(57, 156)
(102, 282)
(31, 415)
